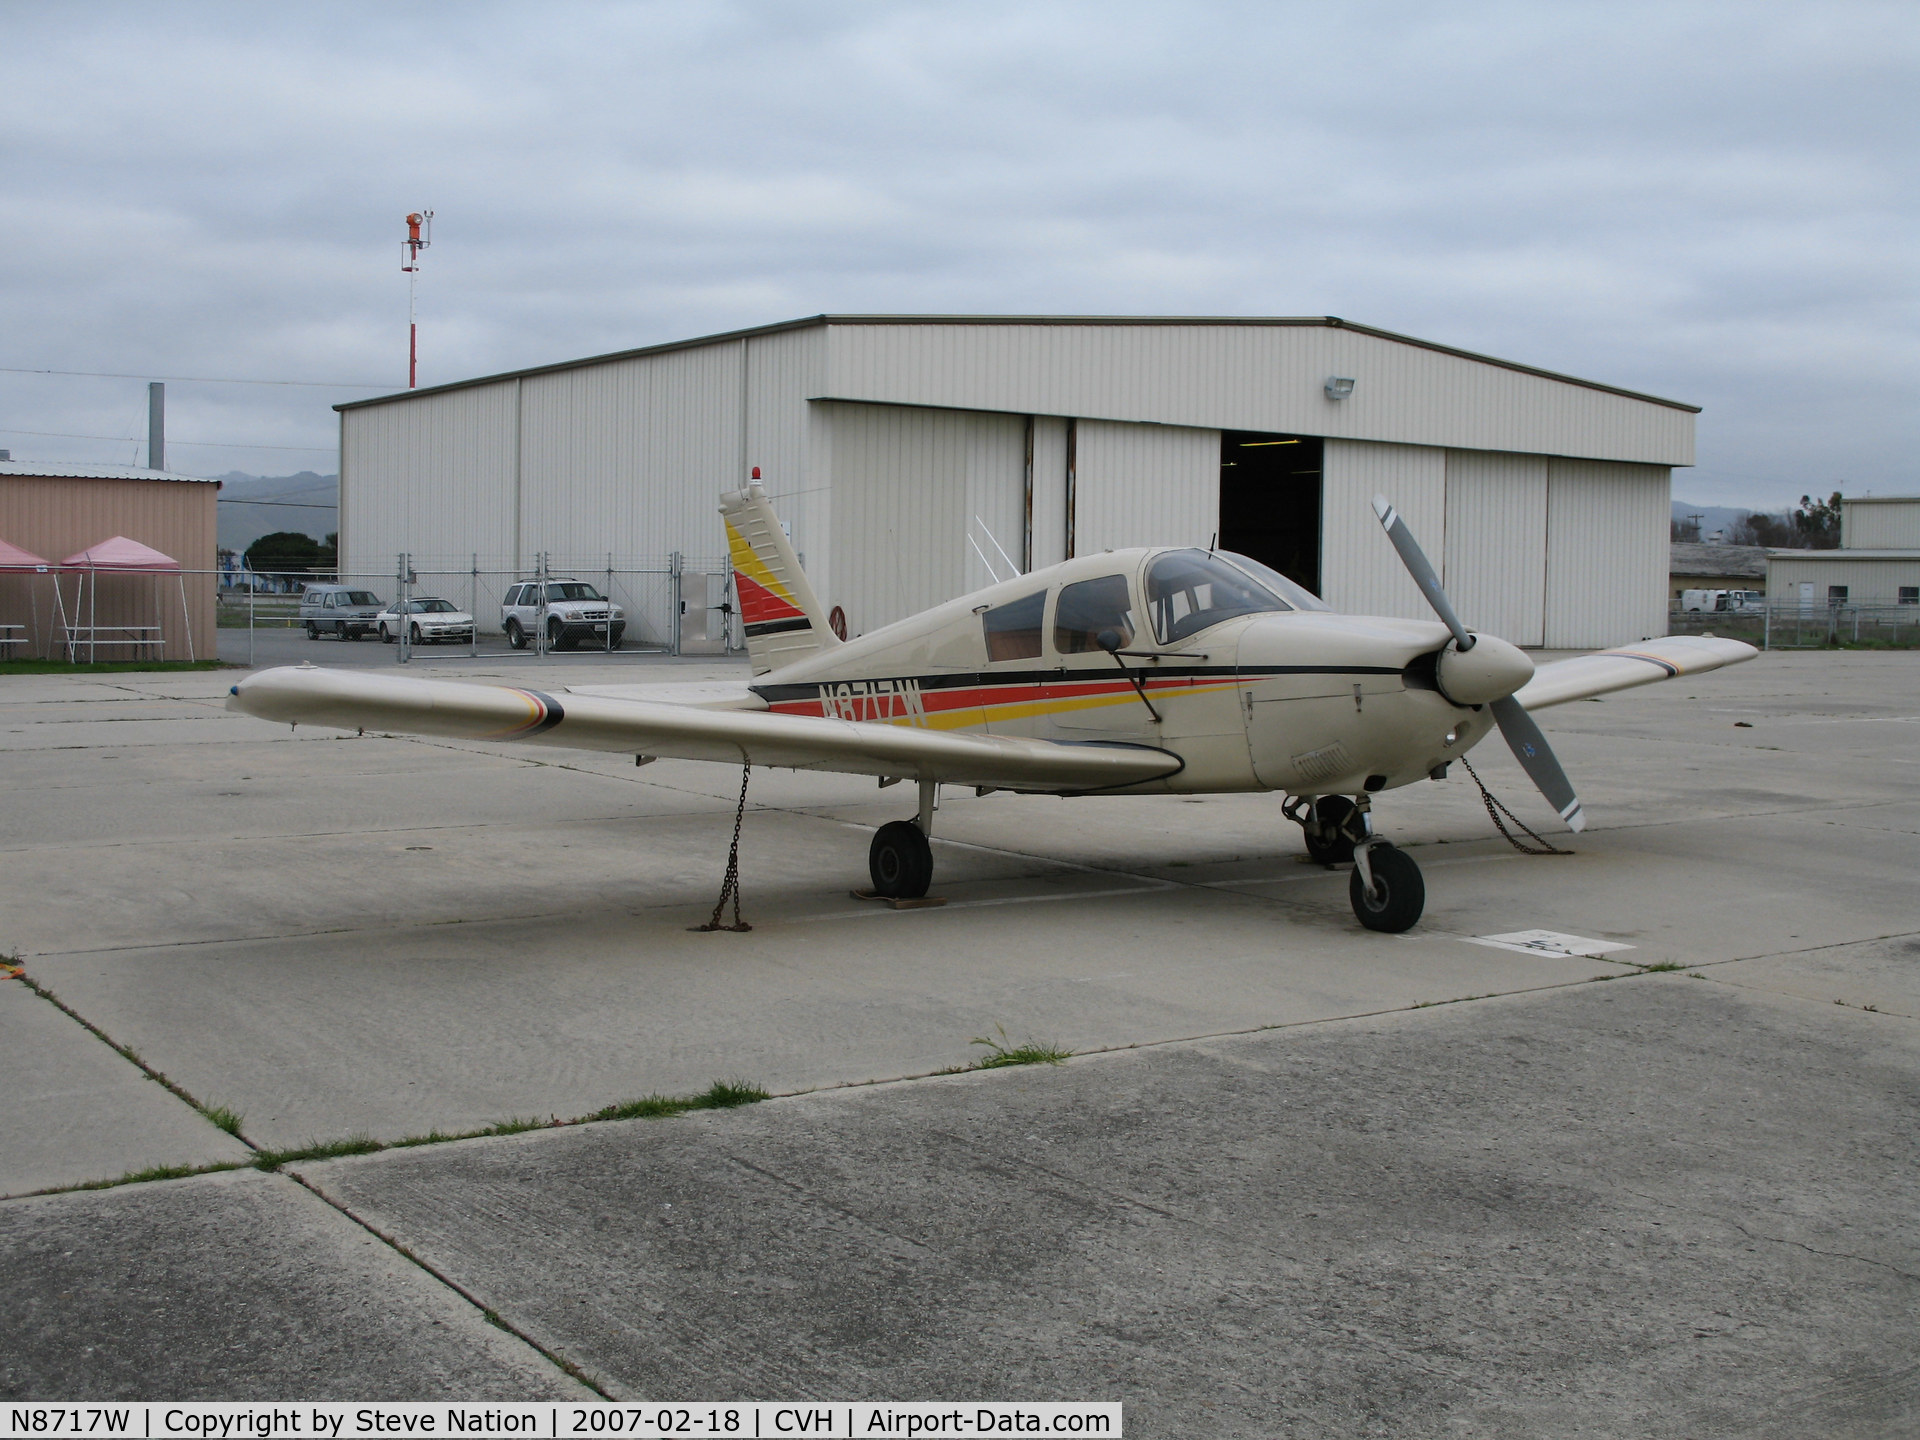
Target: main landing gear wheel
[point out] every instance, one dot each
(1398, 895)
(901, 861)
(516, 637)
(1333, 845)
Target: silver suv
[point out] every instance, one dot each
(339, 610)
(574, 612)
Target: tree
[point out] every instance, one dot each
(1758, 528)
(283, 552)
(329, 556)
(1818, 522)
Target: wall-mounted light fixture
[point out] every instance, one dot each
(1339, 387)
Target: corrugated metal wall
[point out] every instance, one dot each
(435, 476)
(1049, 490)
(1868, 582)
(1608, 529)
(1250, 377)
(1359, 571)
(907, 487)
(57, 516)
(1496, 543)
(1144, 485)
(1880, 525)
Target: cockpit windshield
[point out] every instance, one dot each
(1188, 590)
(1294, 593)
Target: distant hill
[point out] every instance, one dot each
(256, 505)
(1717, 517)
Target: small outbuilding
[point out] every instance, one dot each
(1696, 565)
(65, 510)
(1877, 564)
(916, 457)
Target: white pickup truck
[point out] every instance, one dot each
(1744, 602)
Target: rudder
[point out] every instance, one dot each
(780, 613)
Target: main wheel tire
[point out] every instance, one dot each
(1332, 812)
(313, 631)
(516, 637)
(556, 635)
(413, 634)
(1399, 895)
(385, 637)
(900, 861)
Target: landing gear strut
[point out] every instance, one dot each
(1385, 889)
(900, 860)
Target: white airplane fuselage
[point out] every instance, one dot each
(1303, 701)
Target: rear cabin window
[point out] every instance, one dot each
(1087, 608)
(1188, 590)
(1013, 630)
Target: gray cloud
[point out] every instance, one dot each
(1707, 201)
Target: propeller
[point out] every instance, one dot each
(1517, 727)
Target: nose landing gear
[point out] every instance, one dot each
(1385, 889)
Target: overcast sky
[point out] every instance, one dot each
(1712, 202)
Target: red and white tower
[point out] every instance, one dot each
(419, 237)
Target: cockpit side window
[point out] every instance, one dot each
(1291, 591)
(1188, 590)
(1089, 607)
(1013, 630)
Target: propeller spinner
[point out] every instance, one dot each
(1489, 678)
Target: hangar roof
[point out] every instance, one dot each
(1332, 322)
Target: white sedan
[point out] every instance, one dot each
(431, 620)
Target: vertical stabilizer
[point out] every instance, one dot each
(778, 609)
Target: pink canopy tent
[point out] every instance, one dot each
(15, 561)
(127, 557)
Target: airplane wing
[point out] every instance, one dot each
(1626, 666)
(348, 700)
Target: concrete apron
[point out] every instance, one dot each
(337, 936)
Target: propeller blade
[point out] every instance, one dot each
(1415, 559)
(1536, 757)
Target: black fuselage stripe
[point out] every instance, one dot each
(774, 694)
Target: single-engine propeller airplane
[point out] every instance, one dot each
(1130, 672)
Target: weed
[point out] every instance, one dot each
(1033, 1052)
(152, 1172)
(1660, 965)
(317, 1150)
(228, 1120)
(725, 1094)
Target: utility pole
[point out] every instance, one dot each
(410, 250)
(156, 425)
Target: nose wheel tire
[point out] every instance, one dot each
(1398, 897)
(900, 861)
(1332, 846)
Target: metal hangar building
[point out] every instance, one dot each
(915, 456)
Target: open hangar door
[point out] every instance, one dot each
(1270, 501)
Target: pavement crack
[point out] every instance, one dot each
(487, 1312)
(1731, 1223)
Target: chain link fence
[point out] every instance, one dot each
(618, 605)
(1793, 625)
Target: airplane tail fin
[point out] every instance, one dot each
(783, 618)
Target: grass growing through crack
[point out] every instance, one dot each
(1660, 965)
(1031, 1052)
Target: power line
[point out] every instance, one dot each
(134, 440)
(207, 379)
